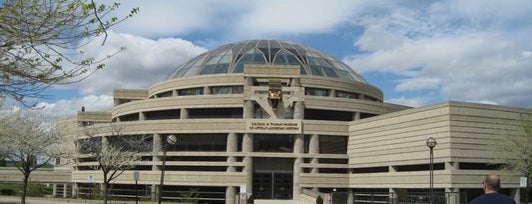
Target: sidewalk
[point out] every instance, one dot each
(39, 200)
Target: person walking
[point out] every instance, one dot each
(490, 185)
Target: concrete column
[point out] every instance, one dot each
(183, 114)
(249, 109)
(75, 190)
(206, 90)
(332, 93)
(230, 195)
(153, 192)
(298, 150)
(105, 142)
(232, 146)
(65, 190)
(296, 82)
(392, 169)
(392, 195)
(356, 116)
(314, 148)
(249, 81)
(157, 147)
(174, 92)
(142, 116)
(350, 197)
(296, 189)
(361, 97)
(453, 195)
(299, 110)
(452, 165)
(247, 147)
(54, 190)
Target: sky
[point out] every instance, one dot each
(417, 52)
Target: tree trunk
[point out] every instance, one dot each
(24, 188)
(105, 192)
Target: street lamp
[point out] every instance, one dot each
(170, 140)
(431, 143)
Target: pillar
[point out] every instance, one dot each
(232, 146)
(296, 82)
(153, 192)
(75, 189)
(356, 116)
(332, 93)
(157, 147)
(452, 165)
(249, 109)
(54, 190)
(361, 97)
(174, 93)
(230, 195)
(183, 114)
(249, 81)
(142, 116)
(350, 197)
(65, 190)
(247, 147)
(299, 110)
(453, 195)
(206, 90)
(298, 150)
(314, 148)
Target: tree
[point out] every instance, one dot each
(114, 153)
(41, 42)
(29, 141)
(513, 152)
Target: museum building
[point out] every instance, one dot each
(284, 121)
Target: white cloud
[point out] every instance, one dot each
(410, 101)
(471, 50)
(236, 19)
(418, 84)
(143, 63)
(294, 17)
(66, 108)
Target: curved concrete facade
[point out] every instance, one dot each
(280, 134)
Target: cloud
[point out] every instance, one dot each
(470, 51)
(294, 17)
(410, 101)
(236, 19)
(66, 108)
(418, 84)
(143, 63)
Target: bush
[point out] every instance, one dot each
(319, 200)
(8, 192)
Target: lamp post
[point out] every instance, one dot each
(170, 140)
(431, 143)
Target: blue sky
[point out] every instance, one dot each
(418, 52)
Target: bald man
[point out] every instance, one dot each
(491, 185)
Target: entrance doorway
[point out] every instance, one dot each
(273, 178)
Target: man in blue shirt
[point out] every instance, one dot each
(491, 185)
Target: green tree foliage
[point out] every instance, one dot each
(41, 42)
(513, 152)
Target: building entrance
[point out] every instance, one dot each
(272, 178)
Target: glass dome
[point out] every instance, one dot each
(230, 58)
